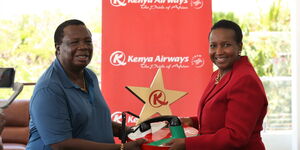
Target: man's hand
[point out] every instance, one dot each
(134, 145)
(117, 129)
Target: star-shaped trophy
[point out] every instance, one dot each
(156, 99)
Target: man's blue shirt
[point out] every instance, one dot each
(60, 110)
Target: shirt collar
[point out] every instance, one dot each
(67, 83)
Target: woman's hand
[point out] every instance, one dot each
(186, 121)
(134, 145)
(176, 144)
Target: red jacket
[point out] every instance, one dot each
(231, 113)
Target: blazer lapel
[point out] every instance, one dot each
(206, 92)
(211, 90)
(216, 88)
(211, 85)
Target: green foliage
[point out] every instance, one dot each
(24, 48)
(221, 15)
(276, 18)
(267, 44)
(279, 109)
(269, 52)
(266, 39)
(27, 45)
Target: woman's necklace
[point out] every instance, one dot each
(218, 78)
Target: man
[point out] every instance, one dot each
(67, 109)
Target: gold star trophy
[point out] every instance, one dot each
(156, 99)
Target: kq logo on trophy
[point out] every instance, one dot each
(156, 98)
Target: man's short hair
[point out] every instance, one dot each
(227, 24)
(59, 32)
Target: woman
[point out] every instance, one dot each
(234, 104)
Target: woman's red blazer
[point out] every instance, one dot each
(231, 113)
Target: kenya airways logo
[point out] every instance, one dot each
(118, 58)
(118, 3)
(157, 98)
(117, 117)
(121, 59)
(197, 4)
(160, 4)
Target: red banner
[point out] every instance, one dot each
(140, 36)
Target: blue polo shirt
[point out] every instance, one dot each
(60, 110)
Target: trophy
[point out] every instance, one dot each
(161, 129)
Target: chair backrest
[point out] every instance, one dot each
(16, 128)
